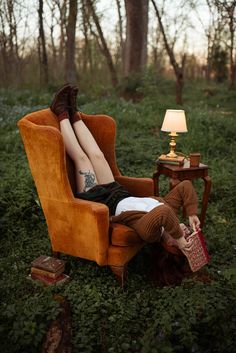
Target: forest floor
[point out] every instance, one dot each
(142, 317)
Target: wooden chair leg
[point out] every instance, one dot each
(121, 273)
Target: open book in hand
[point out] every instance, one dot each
(197, 254)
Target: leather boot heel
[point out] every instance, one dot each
(73, 111)
(61, 104)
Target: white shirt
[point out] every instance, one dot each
(145, 204)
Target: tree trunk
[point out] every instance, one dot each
(42, 45)
(231, 49)
(70, 68)
(145, 33)
(178, 70)
(179, 89)
(136, 36)
(120, 29)
(4, 68)
(227, 11)
(233, 77)
(10, 41)
(105, 49)
(11, 31)
(62, 10)
(54, 50)
(87, 57)
(208, 64)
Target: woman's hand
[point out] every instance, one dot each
(186, 231)
(194, 222)
(183, 244)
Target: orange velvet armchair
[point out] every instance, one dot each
(78, 227)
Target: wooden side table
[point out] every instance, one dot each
(185, 172)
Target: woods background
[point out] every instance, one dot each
(132, 60)
(44, 43)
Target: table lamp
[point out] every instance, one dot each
(174, 121)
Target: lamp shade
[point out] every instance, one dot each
(174, 121)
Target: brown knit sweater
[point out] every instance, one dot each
(149, 224)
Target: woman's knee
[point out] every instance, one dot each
(186, 184)
(96, 155)
(149, 227)
(154, 219)
(187, 188)
(81, 159)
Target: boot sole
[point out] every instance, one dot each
(58, 92)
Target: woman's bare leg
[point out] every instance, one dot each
(100, 165)
(90, 163)
(85, 174)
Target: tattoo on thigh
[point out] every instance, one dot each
(90, 180)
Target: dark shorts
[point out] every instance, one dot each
(109, 194)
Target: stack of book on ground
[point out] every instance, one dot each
(48, 270)
(179, 160)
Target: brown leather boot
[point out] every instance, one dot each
(61, 104)
(73, 111)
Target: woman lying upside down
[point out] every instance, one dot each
(151, 217)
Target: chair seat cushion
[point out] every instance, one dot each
(121, 235)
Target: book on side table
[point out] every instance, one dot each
(48, 270)
(179, 160)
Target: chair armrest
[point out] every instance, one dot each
(137, 186)
(78, 228)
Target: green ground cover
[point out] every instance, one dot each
(193, 317)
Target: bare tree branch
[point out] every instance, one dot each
(178, 70)
(106, 51)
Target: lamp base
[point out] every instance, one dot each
(172, 155)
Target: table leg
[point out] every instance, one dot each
(156, 183)
(207, 189)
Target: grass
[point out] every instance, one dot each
(141, 318)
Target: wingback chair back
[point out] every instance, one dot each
(78, 227)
